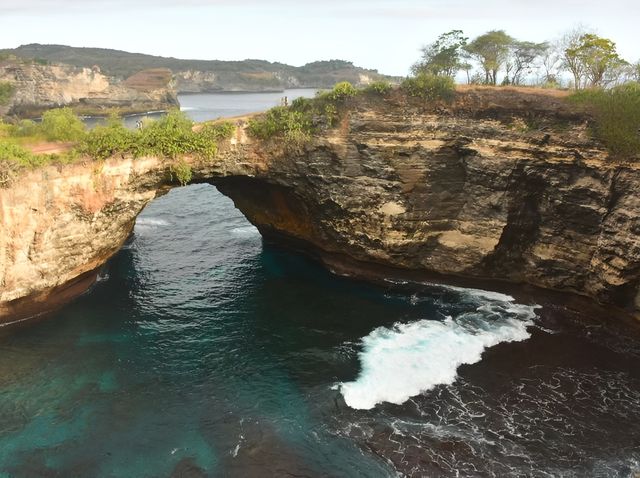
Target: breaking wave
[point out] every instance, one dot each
(405, 360)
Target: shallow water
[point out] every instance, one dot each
(202, 352)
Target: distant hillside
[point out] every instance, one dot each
(205, 75)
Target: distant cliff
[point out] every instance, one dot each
(500, 184)
(197, 76)
(35, 87)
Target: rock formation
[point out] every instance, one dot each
(501, 184)
(38, 87)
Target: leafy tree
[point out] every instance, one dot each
(598, 57)
(592, 60)
(491, 50)
(571, 61)
(442, 57)
(524, 54)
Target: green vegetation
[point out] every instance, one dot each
(442, 57)
(491, 51)
(293, 124)
(379, 88)
(13, 152)
(496, 58)
(341, 92)
(171, 137)
(591, 59)
(617, 116)
(182, 172)
(6, 91)
(430, 87)
(296, 123)
(61, 125)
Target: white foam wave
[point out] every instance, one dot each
(403, 361)
(245, 231)
(151, 222)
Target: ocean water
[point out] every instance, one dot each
(204, 352)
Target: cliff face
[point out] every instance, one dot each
(202, 76)
(499, 185)
(41, 87)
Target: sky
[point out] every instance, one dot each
(382, 34)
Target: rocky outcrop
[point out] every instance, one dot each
(38, 87)
(501, 184)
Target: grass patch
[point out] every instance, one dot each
(617, 116)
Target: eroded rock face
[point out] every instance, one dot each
(499, 185)
(41, 87)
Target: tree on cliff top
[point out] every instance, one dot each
(491, 50)
(522, 60)
(592, 60)
(442, 57)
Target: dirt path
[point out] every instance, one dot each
(49, 148)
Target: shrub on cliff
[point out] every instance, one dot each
(62, 124)
(430, 87)
(170, 137)
(218, 131)
(15, 153)
(6, 91)
(379, 88)
(617, 116)
(289, 123)
(105, 141)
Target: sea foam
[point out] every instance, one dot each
(403, 361)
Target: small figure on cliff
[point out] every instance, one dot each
(286, 101)
(139, 124)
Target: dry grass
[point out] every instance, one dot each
(517, 89)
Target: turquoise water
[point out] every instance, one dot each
(204, 352)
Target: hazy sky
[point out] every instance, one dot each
(380, 34)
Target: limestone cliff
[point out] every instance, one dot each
(38, 87)
(501, 184)
(204, 76)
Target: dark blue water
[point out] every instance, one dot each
(202, 352)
